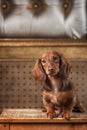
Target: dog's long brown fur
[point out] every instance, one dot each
(53, 69)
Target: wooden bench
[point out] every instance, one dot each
(35, 119)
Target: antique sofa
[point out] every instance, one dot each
(43, 18)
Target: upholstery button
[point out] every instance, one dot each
(36, 6)
(4, 6)
(66, 6)
(7, 6)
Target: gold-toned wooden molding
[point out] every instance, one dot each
(43, 42)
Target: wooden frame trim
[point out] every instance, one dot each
(34, 59)
(60, 120)
(43, 43)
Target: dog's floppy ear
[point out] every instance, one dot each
(65, 66)
(38, 71)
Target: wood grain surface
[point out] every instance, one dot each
(37, 116)
(48, 127)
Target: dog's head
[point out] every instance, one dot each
(51, 64)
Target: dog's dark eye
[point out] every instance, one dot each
(55, 58)
(43, 61)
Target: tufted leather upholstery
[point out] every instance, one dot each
(43, 18)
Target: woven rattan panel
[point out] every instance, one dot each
(18, 88)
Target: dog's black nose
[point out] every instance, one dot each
(50, 69)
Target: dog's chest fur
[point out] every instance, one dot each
(62, 91)
(60, 85)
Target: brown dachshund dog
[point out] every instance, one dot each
(53, 70)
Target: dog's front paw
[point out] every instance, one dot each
(51, 115)
(66, 115)
(44, 109)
